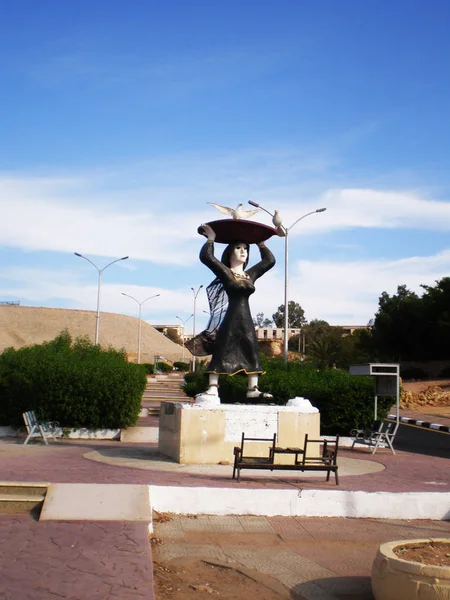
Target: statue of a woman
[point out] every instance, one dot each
(235, 348)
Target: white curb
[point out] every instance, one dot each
(301, 503)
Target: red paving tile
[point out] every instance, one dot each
(80, 561)
(63, 462)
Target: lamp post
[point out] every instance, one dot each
(139, 326)
(184, 323)
(193, 329)
(286, 231)
(100, 271)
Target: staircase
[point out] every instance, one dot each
(159, 389)
(19, 497)
(162, 388)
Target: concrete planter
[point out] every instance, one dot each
(394, 578)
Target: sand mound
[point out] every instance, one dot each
(26, 325)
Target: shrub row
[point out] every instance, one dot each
(76, 383)
(345, 401)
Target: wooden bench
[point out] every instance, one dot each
(303, 459)
(380, 435)
(243, 461)
(37, 429)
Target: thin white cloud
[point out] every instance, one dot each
(347, 292)
(344, 293)
(154, 219)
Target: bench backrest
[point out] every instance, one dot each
(329, 450)
(30, 419)
(271, 440)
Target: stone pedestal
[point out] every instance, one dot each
(196, 434)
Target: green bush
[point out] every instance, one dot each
(181, 366)
(163, 367)
(148, 368)
(344, 401)
(76, 383)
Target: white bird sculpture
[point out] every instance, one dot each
(236, 213)
(278, 223)
(277, 220)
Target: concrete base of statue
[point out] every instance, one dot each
(207, 400)
(202, 433)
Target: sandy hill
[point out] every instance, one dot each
(27, 325)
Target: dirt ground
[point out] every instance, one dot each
(430, 553)
(200, 579)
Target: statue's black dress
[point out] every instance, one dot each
(236, 345)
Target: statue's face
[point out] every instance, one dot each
(239, 254)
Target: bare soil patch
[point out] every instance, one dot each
(200, 579)
(429, 553)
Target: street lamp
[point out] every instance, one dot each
(184, 323)
(139, 326)
(100, 271)
(193, 329)
(286, 231)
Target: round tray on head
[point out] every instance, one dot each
(240, 230)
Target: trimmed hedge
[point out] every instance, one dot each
(76, 383)
(181, 366)
(163, 367)
(345, 401)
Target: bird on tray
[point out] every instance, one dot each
(236, 213)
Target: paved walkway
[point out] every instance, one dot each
(65, 462)
(313, 558)
(80, 561)
(325, 559)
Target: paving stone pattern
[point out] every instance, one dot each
(314, 558)
(80, 561)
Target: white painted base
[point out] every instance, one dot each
(73, 434)
(92, 434)
(306, 503)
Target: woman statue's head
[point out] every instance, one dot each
(236, 253)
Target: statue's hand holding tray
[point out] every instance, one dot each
(236, 230)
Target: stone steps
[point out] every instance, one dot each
(158, 390)
(18, 497)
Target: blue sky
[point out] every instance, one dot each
(120, 120)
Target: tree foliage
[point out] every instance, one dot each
(260, 321)
(409, 327)
(296, 315)
(323, 343)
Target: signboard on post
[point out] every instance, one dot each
(387, 381)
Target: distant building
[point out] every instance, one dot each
(163, 329)
(274, 333)
(277, 333)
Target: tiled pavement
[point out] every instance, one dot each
(64, 462)
(89, 561)
(314, 558)
(80, 561)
